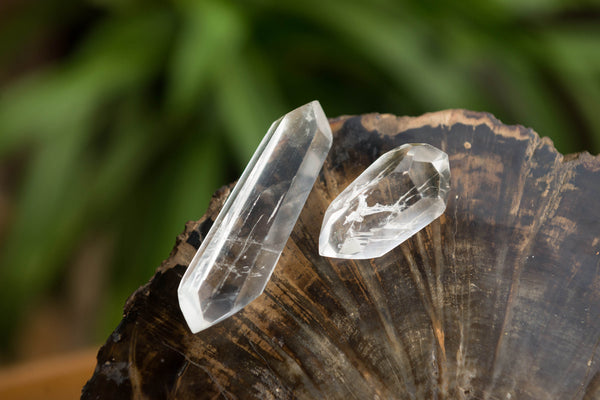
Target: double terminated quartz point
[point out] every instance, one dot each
(398, 195)
(239, 253)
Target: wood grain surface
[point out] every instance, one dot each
(497, 299)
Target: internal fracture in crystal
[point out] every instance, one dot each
(395, 197)
(238, 255)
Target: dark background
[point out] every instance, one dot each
(118, 119)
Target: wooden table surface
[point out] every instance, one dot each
(58, 377)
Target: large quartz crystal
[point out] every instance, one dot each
(239, 253)
(397, 196)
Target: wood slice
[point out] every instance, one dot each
(497, 299)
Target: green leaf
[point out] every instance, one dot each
(115, 58)
(210, 32)
(248, 102)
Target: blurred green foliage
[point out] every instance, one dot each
(147, 107)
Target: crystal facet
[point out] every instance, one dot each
(397, 196)
(239, 253)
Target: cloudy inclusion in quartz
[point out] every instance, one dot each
(398, 195)
(238, 255)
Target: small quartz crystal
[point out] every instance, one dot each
(238, 255)
(395, 197)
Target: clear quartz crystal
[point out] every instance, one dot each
(397, 196)
(239, 253)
